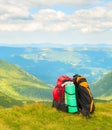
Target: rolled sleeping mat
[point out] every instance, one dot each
(70, 98)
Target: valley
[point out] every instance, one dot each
(30, 73)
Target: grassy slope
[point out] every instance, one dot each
(102, 89)
(19, 84)
(43, 117)
(6, 101)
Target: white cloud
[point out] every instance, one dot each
(95, 19)
(12, 12)
(15, 16)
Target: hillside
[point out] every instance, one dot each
(102, 89)
(20, 85)
(43, 117)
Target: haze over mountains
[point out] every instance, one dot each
(46, 63)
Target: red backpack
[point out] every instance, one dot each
(59, 92)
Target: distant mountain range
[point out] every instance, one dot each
(54, 45)
(47, 61)
(18, 86)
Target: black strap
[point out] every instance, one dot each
(72, 106)
(69, 93)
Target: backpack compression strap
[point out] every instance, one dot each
(91, 105)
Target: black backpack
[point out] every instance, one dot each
(84, 97)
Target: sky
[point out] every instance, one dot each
(55, 21)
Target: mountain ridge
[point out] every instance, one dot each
(55, 45)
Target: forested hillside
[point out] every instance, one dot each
(102, 89)
(20, 85)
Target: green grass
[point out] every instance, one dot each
(40, 116)
(6, 101)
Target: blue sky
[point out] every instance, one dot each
(57, 21)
